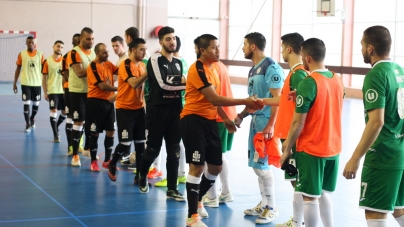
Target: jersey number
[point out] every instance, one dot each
(365, 186)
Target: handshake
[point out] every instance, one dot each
(252, 104)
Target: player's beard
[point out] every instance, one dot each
(366, 58)
(249, 55)
(57, 52)
(168, 50)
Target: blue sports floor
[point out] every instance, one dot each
(38, 187)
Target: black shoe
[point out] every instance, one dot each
(143, 185)
(112, 172)
(32, 122)
(175, 194)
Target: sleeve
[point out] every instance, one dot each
(306, 95)
(274, 77)
(114, 68)
(74, 57)
(64, 62)
(94, 76)
(19, 60)
(126, 73)
(296, 77)
(374, 92)
(45, 67)
(166, 82)
(42, 59)
(200, 80)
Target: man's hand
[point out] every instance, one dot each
(230, 125)
(351, 168)
(254, 104)
(46, 97)
(287, 152)
(292, 96)
(268, 132)
(112, 98)
(15, 89)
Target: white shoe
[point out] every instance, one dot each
(210, 202)
(27, 129)
(76, 160)
(290, 223)
(255, 211)
(267, 216)
(195, 221)
(226, 198)
(87, 154)
(202, 211)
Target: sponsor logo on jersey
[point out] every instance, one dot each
(299, 101)
(276, 79)
(371, 96)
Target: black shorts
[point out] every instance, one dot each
(31, 93)
(131, 125)
(100, 115)
(67, 102)
(163, 122)
(201, 140)
(78, 106)
(56, 101)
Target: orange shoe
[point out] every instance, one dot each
(105, 165)
(94, 166)
(76, 160)
(154, 173)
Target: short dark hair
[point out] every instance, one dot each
(177, 49)
(315, 48)
(293, 40)
(30, 37)
(257, 39)
(164, 31)
(196, 40)
(117, 39)
(135, 43)
(132, 32)
(76, 35)
(379, 37)
(97, 47)
(87, 30)
(58, 41)
(204, 40)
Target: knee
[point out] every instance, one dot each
(263, 173)
(196, 170)
(151, 154)
(374, 215)
(214, 170)
(110, 133)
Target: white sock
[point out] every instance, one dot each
(225, 176)
(377, 222)
(298, 207)
(326, 210)
(400, 220)
(181, 168)
(212, 192)
(269, 189)
(311, 213)
(263, 199)
(157, 163)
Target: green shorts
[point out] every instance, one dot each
(382, 190)
(292, 161)
(316, 174)
(225, 137)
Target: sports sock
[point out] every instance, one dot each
(376, 222)
(26, 114)
(192, 186)
(93, 147)
(109, 145)
(326, 210)
(311, 213)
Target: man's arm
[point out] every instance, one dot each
(298, 122)
(16, 75)
(136, 82)
(369, 136)
(272, 101)
(44, 86)
(79, 70)
(106, 87)
(268, 131)
(227, 122)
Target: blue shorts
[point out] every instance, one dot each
(258, 123)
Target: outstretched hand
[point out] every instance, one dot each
(254, 104)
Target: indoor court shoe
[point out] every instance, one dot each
(267, 216)
(210, 202)
(76, 160)
(162, 183)
(255, 211)
(182, 180)
(32, 122)
(154, 173)
(175, 194)
(143, 185)
(202, 211)
(56, 139)
(27, 129)
(195, 221)
(226, 198)
(94, 166)
(112, 172)
(125, 162)
(105, 165)
(290, 223)
(88, 154)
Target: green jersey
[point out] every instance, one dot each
(296, 77)
(383, 88)
(307, 91)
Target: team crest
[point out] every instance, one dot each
(178, 66)
(259, 70)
